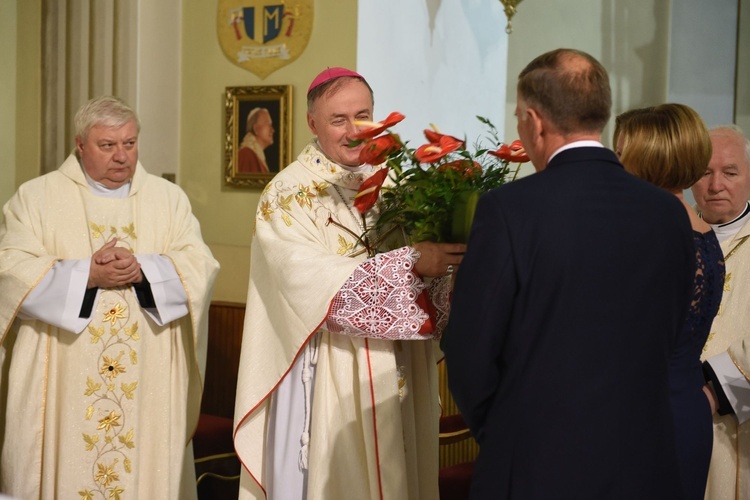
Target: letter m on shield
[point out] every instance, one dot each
(271, 21)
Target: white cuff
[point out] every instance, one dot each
(58, 297)
(734, 384)
(166, 287)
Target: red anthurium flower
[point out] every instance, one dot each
(371, 129)
(375, 151)
(432, 135)
(430, 153)
(370, 190)
(513, 153)
(467, 168)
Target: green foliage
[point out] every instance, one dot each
(424, 199)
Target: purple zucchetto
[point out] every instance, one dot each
(329, 74)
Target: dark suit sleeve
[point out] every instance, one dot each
(481, 309)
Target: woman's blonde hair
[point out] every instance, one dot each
(667, 145)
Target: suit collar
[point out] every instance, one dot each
(584, 153)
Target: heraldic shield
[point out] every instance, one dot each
(264, 35)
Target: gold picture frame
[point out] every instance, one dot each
(249, 161)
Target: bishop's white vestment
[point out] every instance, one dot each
(316, 299)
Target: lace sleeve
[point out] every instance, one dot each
(440, 296)
(383, 299)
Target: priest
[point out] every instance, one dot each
(104, 289)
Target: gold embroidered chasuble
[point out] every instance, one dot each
(365, 442)
(107, 413)
(729, 473)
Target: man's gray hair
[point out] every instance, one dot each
(733, 130)
(106, 111)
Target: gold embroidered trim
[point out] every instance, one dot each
(737, 247)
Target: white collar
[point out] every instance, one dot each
(576, 144)
(99, 189)
(727, 230)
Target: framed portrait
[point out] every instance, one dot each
(258, 135)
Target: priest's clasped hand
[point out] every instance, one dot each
(113, 266)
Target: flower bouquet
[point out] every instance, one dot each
(431, 192)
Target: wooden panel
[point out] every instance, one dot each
(225, 322)
(463, 451)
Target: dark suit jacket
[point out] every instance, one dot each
(571, 293)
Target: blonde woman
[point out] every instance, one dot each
(668, 145)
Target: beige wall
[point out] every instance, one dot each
(8, 47)
(226, 213)
(20, 94)
(629, 37)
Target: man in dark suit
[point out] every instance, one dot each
(573, 288)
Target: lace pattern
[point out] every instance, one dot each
(709, 277)
(379, 299)
(440, 295)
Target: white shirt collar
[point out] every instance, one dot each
(576, 144)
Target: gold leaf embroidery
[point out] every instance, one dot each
(130, 231)
(111, 420)
(96, 333)
(344, 246)
(727, 284)
(127, 439)
(304, 197)
(322, 188)
(132, 332)
(128, 389)
(89, 412)
(96, 230)
(117, 312)
(114, 493)
(86, 495)
(91, 386)
(128, 465)
(111, 367)
(287, 219)
(134, 357)
(266, 210)
(106, 473)
(90, 441)
(286, 202)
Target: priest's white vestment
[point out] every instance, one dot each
(729, 472)
(109, 412)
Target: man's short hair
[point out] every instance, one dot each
(106, 111)
(573, 97)
(667, 145)
(330, 87)
(733, 130)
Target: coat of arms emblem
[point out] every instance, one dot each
(264, 35)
